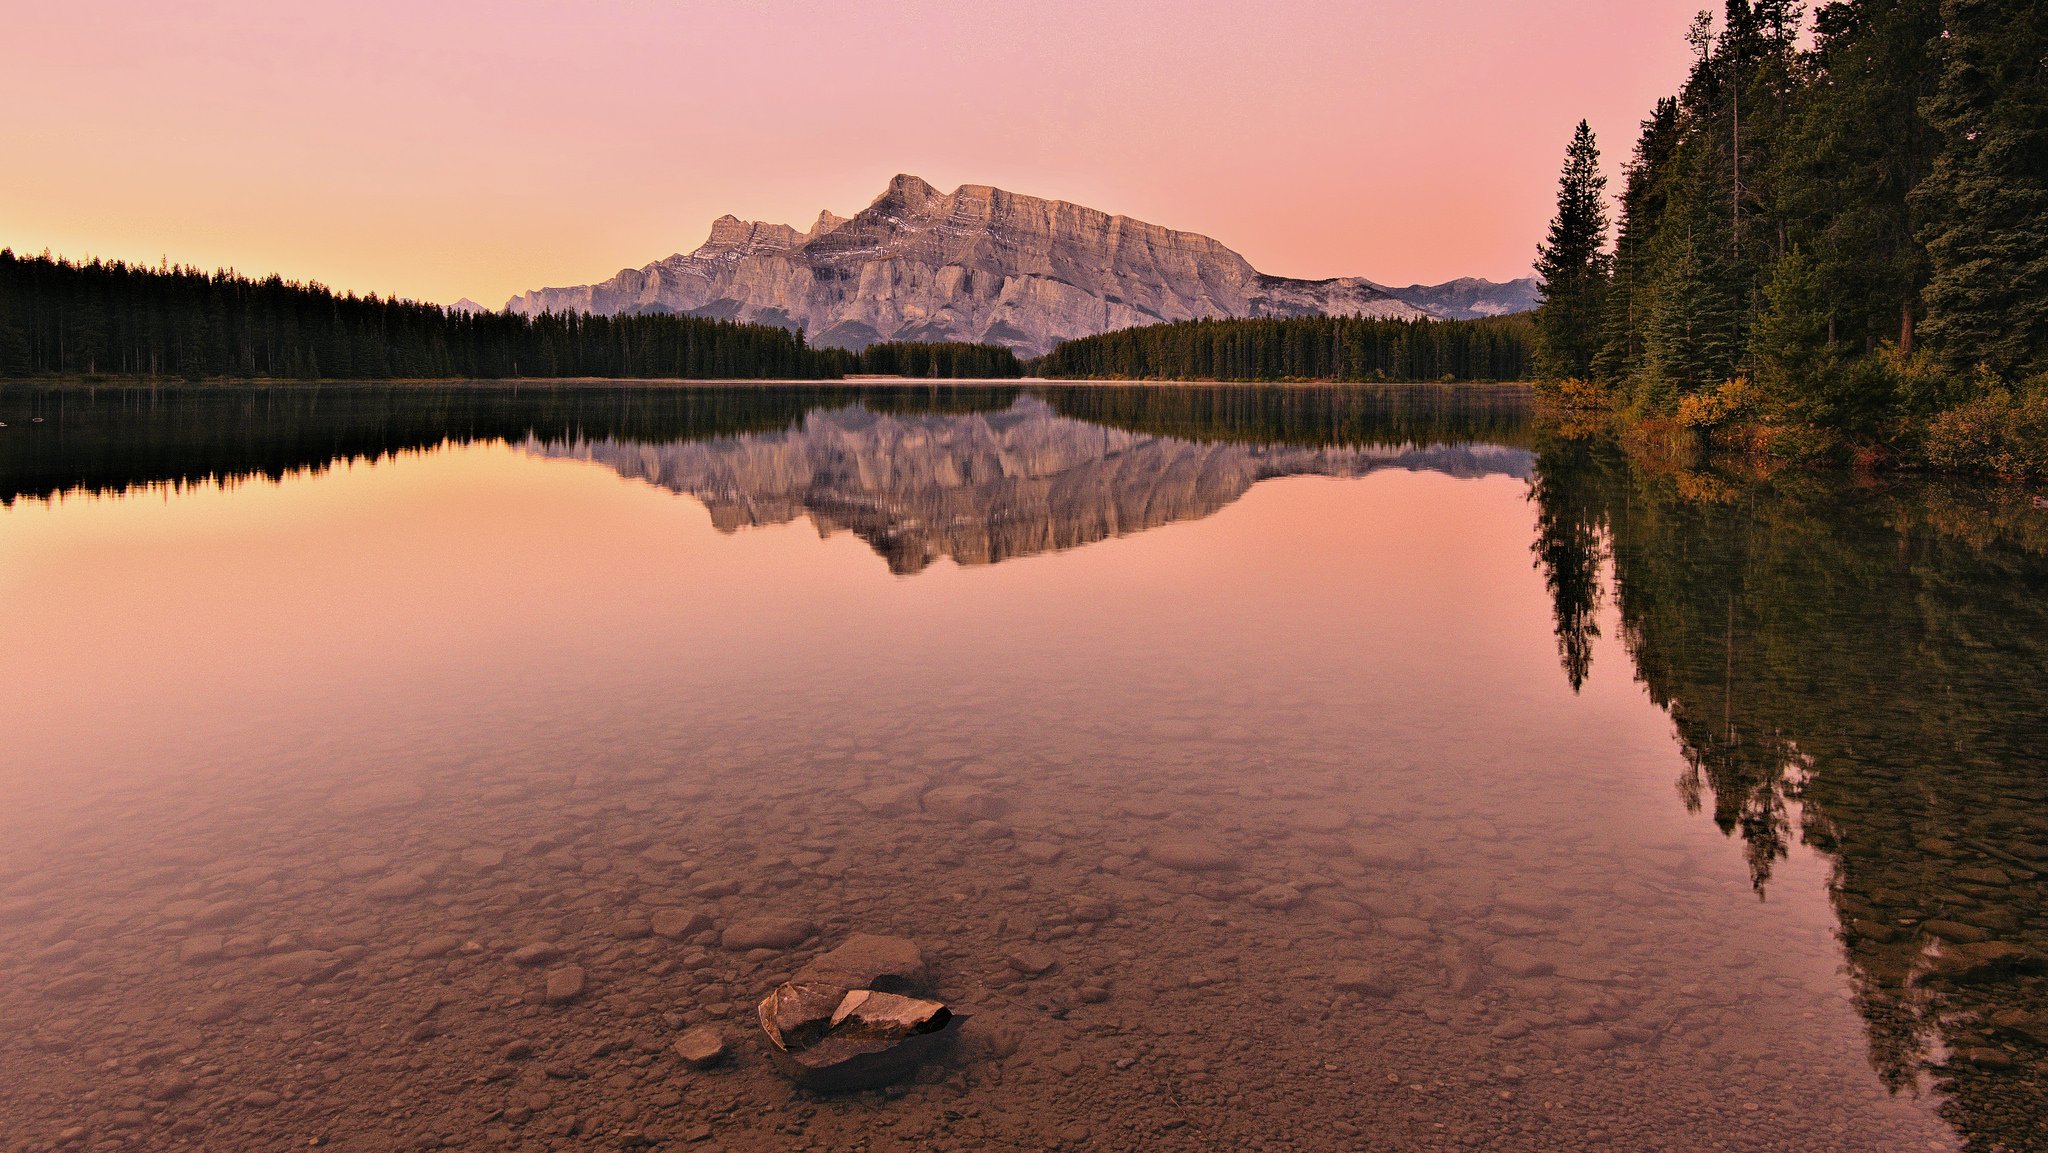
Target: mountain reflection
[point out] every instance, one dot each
(1861, 668)
(989, 486)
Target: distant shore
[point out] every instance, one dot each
(735, 382)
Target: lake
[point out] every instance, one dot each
(1284, 768)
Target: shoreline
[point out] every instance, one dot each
(865, 382)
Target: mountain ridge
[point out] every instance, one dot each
(979, 264)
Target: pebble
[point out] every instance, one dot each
(397, 887)
(202, 949)
(564, 984)
(890, 800)
(440, 945)
(1189, 855)
(538, 953)
(1031, 960)
(962, 803)
(701, 1046)
(676, 923)
(767, 933)
(1363, 981)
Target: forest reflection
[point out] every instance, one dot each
(1858, 666)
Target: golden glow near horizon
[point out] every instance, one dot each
(465, 149)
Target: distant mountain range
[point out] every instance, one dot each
(982, 264)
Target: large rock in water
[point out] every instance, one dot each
(832, 1039)
(846, 1021)
(977, 263)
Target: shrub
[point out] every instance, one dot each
(1998, 433)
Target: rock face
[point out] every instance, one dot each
(977, 264)
(1469, 298)
(985, 487)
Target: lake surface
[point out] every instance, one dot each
(1258, 768)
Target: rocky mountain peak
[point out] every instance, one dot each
(976, 264)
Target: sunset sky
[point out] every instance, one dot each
(438, 150)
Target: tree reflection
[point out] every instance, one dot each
(1859, 666)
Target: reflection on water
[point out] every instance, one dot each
(984, 487)
(1298, 810)
(1860, 669)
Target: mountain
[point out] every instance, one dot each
(1469, 298)
(467, 305)
(989, 486)
(977, 263)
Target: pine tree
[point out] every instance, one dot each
(1572, 262)
(1986, 201)
(1690, 339)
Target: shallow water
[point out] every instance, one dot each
(1374, 771)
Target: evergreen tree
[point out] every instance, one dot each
(1986, 201)
(1572, 263)
(1689, 342)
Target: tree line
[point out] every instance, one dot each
(1320, 348)
(1826, 244)
(112, 319)
(955, 359)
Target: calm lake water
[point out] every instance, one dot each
(1258, 768)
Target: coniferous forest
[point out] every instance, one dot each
(1827, 245)
(1323, 348)
(109, 319)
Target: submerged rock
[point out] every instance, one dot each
(869, 961)
(701, 1047)
(832, 1039)
(1189, 855)
(767, 933)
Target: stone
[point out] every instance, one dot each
(1189, 855)
(675, 924)
(214, 1010)
(1521, 963)
(865, 1040)
(869, 961)
(1956, 931)
(1276, 897)
(701, 1046)
(75, 985)
(1091, 910)
(439, 945)
(1040, 852)
(1030, 960)
(396, 887)
(483, 858)
(1363, 981)
(890, 800)
(767, 933)
(303, 965)
(535, 954)
(202, 949)
(962, 803)
(1982, 962)
(564, 984)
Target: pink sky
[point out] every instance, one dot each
(452, 149)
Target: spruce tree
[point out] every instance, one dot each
(1986, 201)
(1572, 263)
